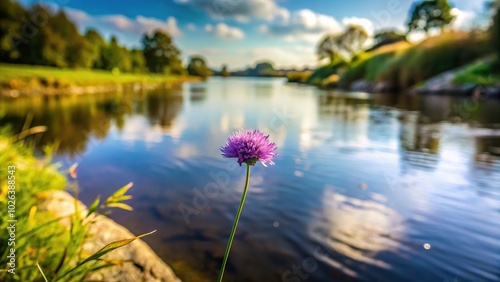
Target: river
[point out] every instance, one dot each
(366, 187)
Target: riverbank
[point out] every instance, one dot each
(40, 210)
(24, 80)
(454, 63)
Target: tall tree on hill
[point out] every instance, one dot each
(430, 14)
(340, 47)
(387, 37)
(161, 54)
(353, 40)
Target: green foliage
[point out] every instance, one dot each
(161, 54)
(369, 65)
(433, 56)
(94, 44)
(325, 71)
(482, 73)
(342, 46)
(495, 33)
(385, 38)
(198, 67)
(430, 14)
(54, 40)
(298, 76)
(44, 247)
(10, 14)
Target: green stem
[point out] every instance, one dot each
(235, 225)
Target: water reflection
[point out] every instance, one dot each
(408, 177)
(75, 121)
(359, 229)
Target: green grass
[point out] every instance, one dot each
(324, 72)
(369, 65)
(298, 76)
(432, 57)
(402, 65)
(21, 76)
(479, 73)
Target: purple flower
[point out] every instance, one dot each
(249, 147)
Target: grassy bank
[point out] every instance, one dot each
(38, 244)
(48, 79)
(482, 73)
(402, 65)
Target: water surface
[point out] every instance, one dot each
(366, 187)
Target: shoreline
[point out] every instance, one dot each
(26, 80)
(91, 89)
(139, 261)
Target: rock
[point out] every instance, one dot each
(362, 85)
(141, 262)
(384, 87)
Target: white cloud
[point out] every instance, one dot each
(304, 25)
(119, 21)
(240, 10)
(296, 56)
(191, 27)
(149, 24)
(224, 31)
(463, 19)
(120, 24)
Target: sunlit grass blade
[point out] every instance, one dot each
(108, 248)
(120, 206)
(39, 268)
(93, 207)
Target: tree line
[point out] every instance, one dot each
(39, 36)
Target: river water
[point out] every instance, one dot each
(366, 187)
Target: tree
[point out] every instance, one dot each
(198, 67)
(385, 38)
(495, 31)
(111, 55)
(11, 13)
(264, 68)
(224, 72)
(94, 43)
(430, 14)
(161, 54)
(329, 47)
(138, 61)
(340, 47)
(353, 40)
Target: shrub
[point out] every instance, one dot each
(298, 76)
(324, 72)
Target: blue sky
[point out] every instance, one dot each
(240, 32)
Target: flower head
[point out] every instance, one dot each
(249, 147)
